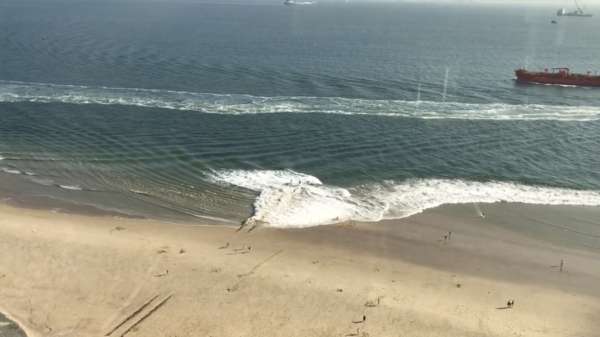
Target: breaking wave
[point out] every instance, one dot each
(10, 170)
(290, 199)
(70, 187)
(236, 104)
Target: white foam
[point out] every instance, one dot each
(139, 192)
(41, 180)
(71, 187)
(414, 196)
(10, 170)
(235, 104)
(291, 199)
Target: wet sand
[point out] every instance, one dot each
(82, 275)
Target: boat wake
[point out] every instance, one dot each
(290, 199)
(237, 104)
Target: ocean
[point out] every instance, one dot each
(295, 116)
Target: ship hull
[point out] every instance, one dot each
(524, 76)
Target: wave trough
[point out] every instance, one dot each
(238, 104)
(291, 199)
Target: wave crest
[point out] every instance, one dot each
(291, 199)
(10, 170)
(237, 104)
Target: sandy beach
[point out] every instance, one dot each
(81, 275)
(299, 168)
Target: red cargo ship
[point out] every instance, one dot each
(558, 76)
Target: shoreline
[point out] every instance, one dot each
(401, 274)
(260, 204)
(19, 330)
(484, 247)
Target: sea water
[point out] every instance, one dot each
(293, 115)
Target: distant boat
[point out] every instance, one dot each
(561, 76)
(578, 12)
(295, 3)
(554, 22)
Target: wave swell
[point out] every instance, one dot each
(237, 104)
(290, 199)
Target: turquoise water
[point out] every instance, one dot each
(299, 115)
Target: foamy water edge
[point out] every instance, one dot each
(289, 199)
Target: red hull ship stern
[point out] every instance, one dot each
(560, 76)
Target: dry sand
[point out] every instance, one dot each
(76, 275)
